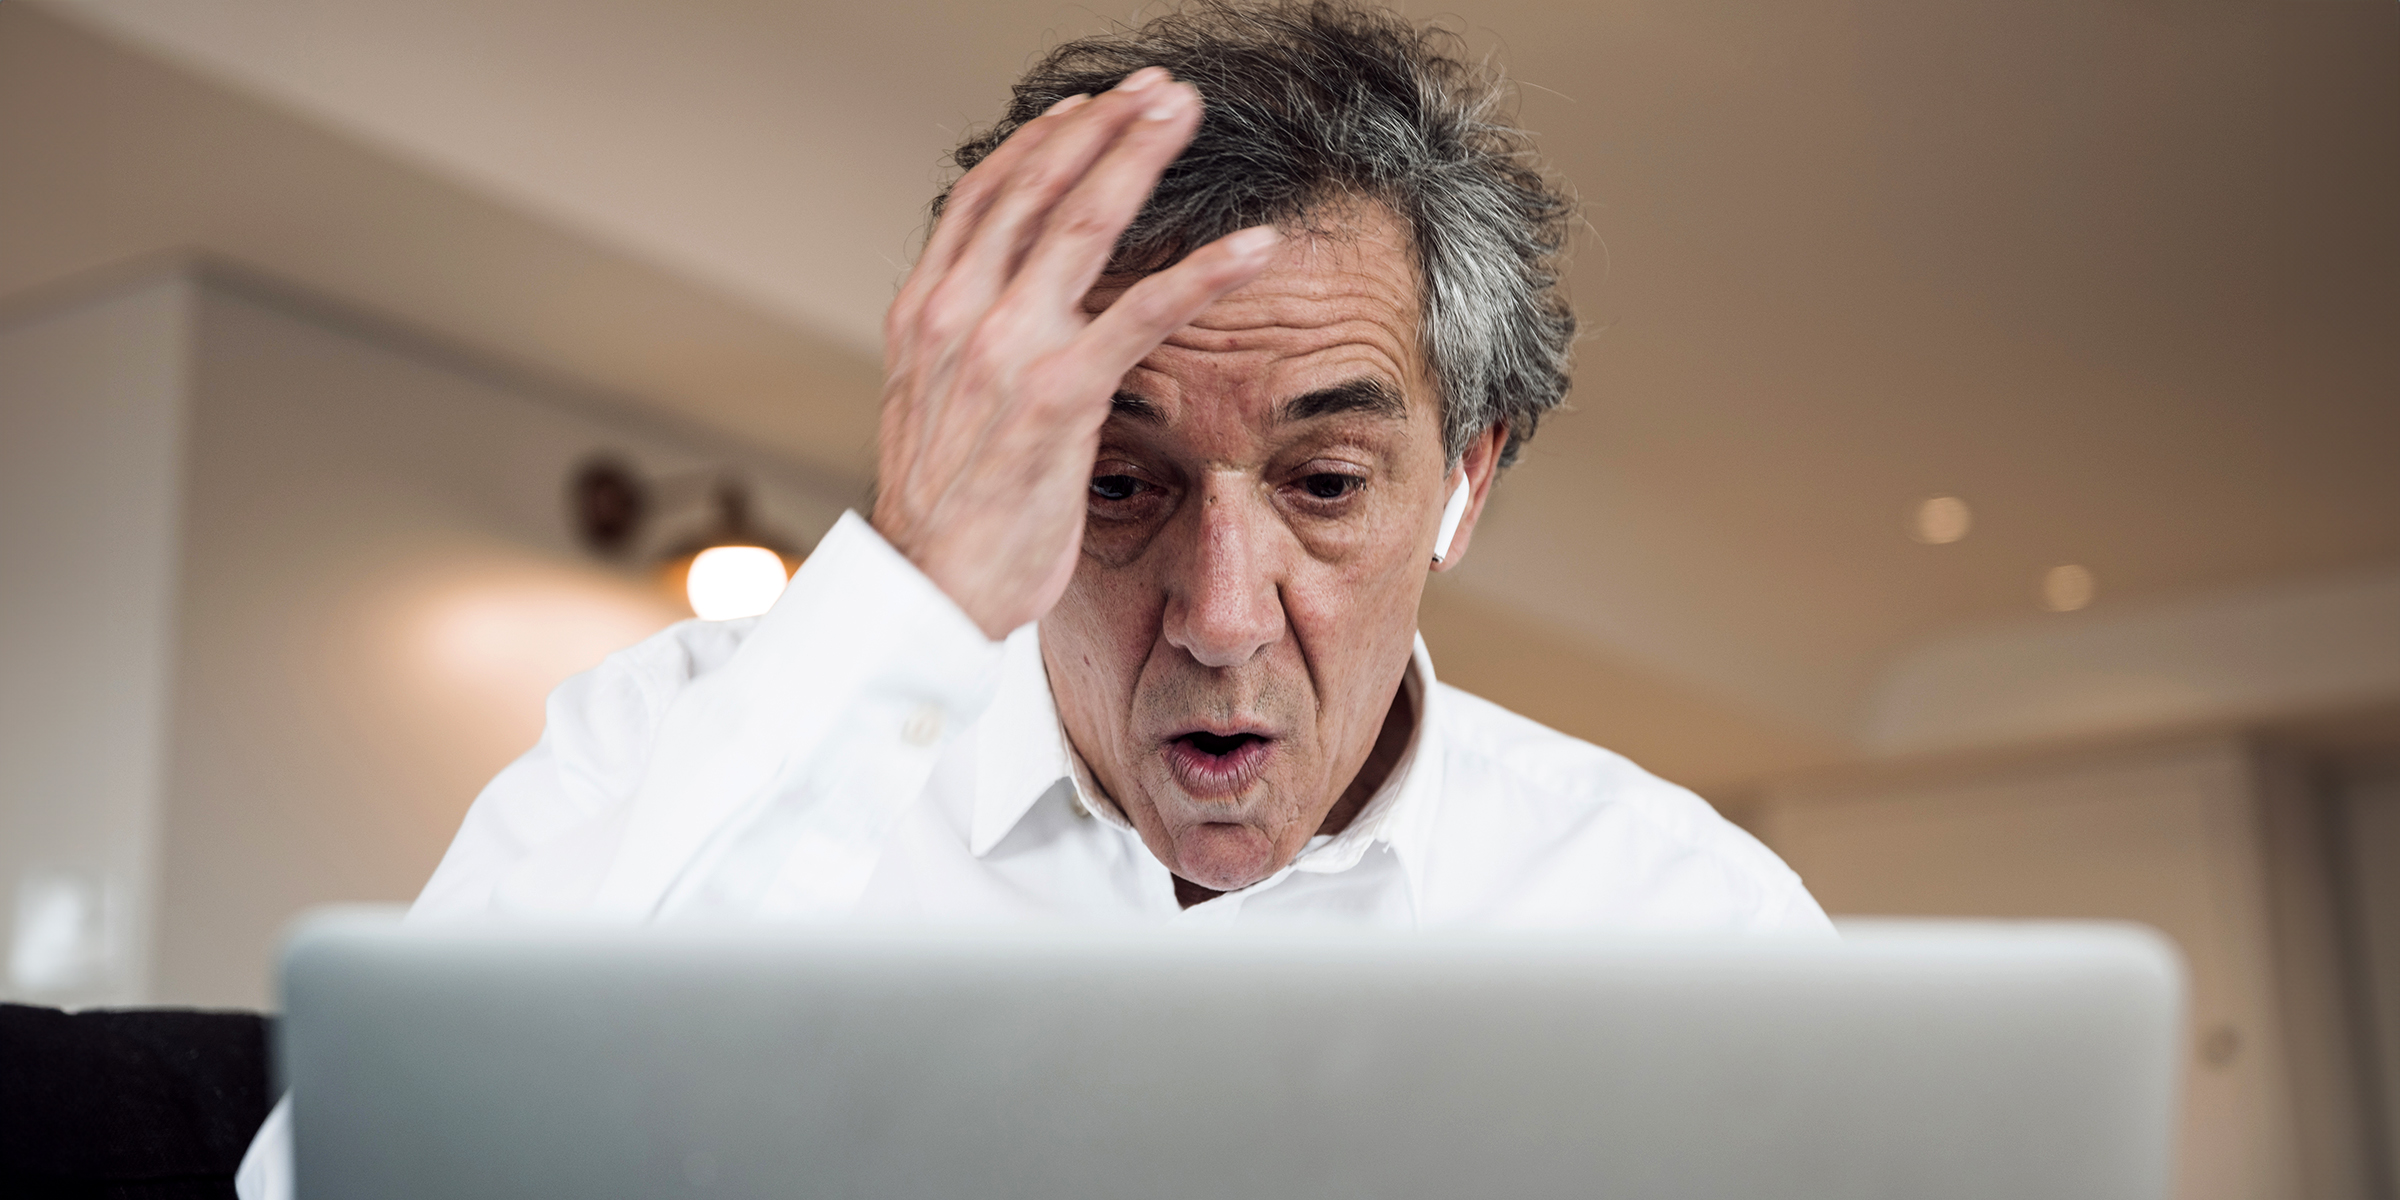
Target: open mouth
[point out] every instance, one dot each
(1217, 764)
(1218, 745)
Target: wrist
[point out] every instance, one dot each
(969, 584)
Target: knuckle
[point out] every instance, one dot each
(1042, 178)
(944, 316)
(989, 352)
(971, 190)
(1051, 168)
(1084, 223)
(899, 319)
(1152, 308)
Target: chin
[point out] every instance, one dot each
(1224, 856)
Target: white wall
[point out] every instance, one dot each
(373, 584)
(2193, 838)
(90, 415)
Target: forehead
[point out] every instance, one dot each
(1335, 305)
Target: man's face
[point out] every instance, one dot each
(1262, 513)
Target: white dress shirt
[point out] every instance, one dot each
(862, 750)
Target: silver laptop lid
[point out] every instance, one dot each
(1921, 1062)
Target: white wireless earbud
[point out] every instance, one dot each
(1452, 514)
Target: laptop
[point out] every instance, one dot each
(1929, 1061)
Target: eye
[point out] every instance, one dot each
(1116, 487)
(1328, 486)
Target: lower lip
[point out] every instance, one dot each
(1217, 775)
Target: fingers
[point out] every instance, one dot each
(992, 406)
(973, 194)
(1003, 203)
(1137, 128)
(963, 213)
(1079, 230)
(1159, 305)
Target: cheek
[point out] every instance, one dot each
(1117, 545)
(1357, 619)
(1095, 641)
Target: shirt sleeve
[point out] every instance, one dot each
(266, 1170)
(1795, 911)
(832, 709)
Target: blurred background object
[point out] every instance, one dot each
(724, 569)
(1983, 478)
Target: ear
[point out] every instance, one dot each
(1480, 465)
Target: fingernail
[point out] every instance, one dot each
(1065, 103)
(1142, 79)
(1168, 103)
(1254, 243)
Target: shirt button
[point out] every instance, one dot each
(924, 726)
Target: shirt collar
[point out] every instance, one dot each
(1020, 749)
(1022, 752)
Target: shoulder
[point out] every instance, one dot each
(683, 651)
(1531, 772)
(612, 704)
(663, 663)
(1551, 829)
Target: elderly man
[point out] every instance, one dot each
(1215, 351)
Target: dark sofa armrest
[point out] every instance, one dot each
(151, 1103)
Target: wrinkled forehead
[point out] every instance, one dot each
(1338, 305)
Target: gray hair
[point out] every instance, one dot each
(1310, 103)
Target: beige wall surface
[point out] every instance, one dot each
(380, 585)
(2174, 836)
(90, 410)
(108, 157)
(282, 591)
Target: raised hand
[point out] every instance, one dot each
(996, 382)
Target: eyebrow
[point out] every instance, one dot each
(1369, 395)
(1134, 408)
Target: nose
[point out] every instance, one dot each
(1224, 601)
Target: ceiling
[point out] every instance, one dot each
(2123, 275)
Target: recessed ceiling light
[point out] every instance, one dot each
(2066, 588)
(1941, 520)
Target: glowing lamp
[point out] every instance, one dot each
(726, 569)
(734, 581)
